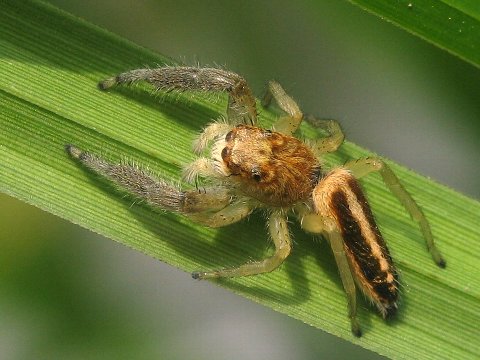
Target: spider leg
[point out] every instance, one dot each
(286, 124)
(201, 167)
(241, 103)
(290, 123)
(155, 191)
(365, 166)
(338, 249)
(208, 134)
(320, 224)
(277, 225)
(334, 139)
(230, 214)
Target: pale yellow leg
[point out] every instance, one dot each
(210, 133)
(316, 223)
(335, 135)
(201, 167)
(230, 214)
(286, 124)
(365, 166)
(336, 242)
(277, 225)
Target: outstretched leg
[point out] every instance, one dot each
(363, 167)
(277, 225)
(241, 103)
(156, 192)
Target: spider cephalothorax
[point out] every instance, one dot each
(249, 168)
(275, 169)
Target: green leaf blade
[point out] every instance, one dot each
(451, 25)
(49, 98)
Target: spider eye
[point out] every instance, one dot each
(229, 136)
(226, 153)
(256, 175)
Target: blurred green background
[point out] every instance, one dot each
(70, 294)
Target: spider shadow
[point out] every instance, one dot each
(173, 105)
(228, 241)
(234, 240)
(304, 245)
(258, 248)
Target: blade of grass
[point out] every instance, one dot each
(453, 25)
(49, 66)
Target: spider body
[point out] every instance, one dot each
(246, 167)
(273, 168)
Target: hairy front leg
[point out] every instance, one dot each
(155, 191)
(241, 102)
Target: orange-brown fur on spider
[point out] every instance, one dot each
(248, 167)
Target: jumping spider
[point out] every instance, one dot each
(254, 168)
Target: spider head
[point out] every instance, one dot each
(276, 169)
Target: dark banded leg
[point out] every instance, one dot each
(159, 193)
(241, 104)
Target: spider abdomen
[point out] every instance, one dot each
(342, 199)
